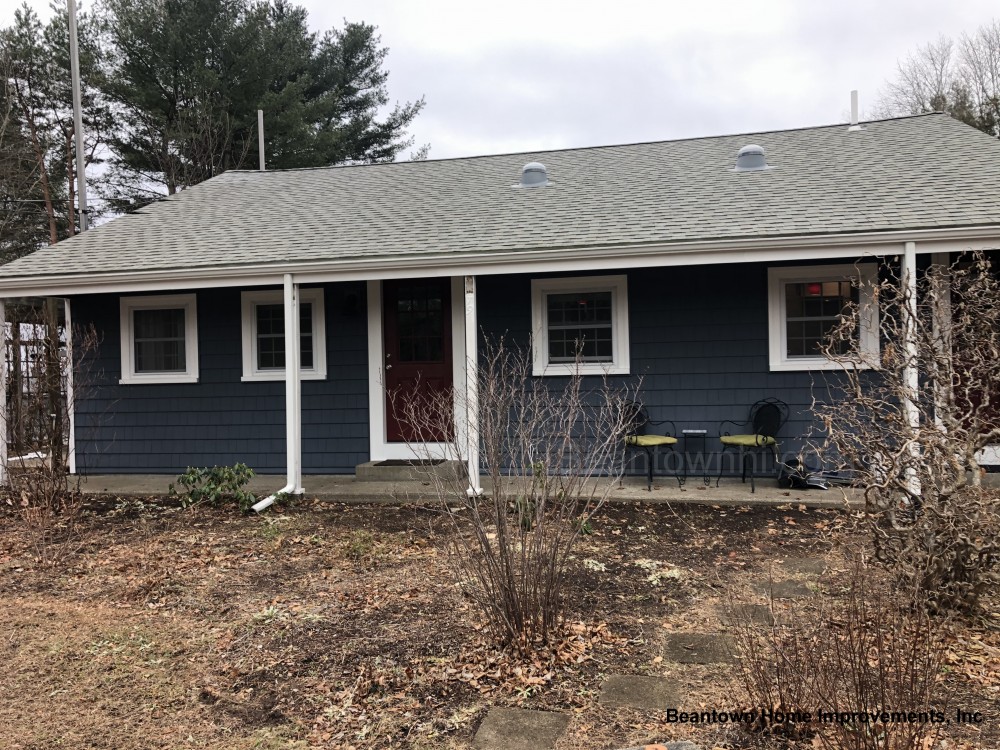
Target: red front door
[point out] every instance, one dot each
(416, 323)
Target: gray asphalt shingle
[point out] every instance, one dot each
(911, 173)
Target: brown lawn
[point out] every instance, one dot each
(341, 626)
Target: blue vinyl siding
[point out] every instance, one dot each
(698, 339)
(163, 428)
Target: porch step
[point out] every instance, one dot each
(408, 471)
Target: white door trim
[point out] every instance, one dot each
(379, 448)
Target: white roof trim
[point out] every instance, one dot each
(552, 260)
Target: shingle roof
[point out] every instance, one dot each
(919, 172)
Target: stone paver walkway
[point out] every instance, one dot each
(697, 648)
(517, 729)
(758, 614)
(805, 565)
(653, 693)
(783, 589)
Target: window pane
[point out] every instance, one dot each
(271, 336)
(158, 337)
(812, 310)
(420, 323)
(305, 335)
(580, 321)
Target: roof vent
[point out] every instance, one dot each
(854, 126)
(533, 174)
(751, 159)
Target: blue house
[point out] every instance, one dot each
(684, 262)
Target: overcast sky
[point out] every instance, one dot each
(522, 75)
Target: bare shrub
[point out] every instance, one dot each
(552, 451)
(912, 428)
(864, 667)
(46, 495)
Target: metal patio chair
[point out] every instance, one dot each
(637, 437)
(765, 420)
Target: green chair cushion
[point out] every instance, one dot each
(649, 441)
(747, 441)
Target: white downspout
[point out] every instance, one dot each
(293, 397)
(911, 376)
(471, 388)
(70, 390)
(3, 393)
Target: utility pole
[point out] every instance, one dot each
(74, 64)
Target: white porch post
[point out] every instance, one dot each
(942, 329)
(471, 388)
(3, 394)
(910, 374)
(70, 390)
(293, 386)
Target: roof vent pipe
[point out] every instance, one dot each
(751, 158)
(260, 137)
(533, 174)
(854, 111)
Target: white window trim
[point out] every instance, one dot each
(186, 302)
(249, 325)
(618, 286)
(778, 277)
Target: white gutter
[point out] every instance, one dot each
(293, 398)
(581, 258)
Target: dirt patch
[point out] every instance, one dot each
(341, 626)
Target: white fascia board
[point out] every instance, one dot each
(548, 260)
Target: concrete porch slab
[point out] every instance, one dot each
(347, 488)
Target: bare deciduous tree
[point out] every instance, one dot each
(551, 449)
(913, 428)
(867, 650)
(38, 398)
(962, 79)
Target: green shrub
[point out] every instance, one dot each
(215, 485)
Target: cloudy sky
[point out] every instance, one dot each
(522, 75)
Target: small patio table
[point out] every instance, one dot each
(695, 453)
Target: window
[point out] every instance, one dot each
(804, 305)
(159, 338)
(589, 315)
(264, 335)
